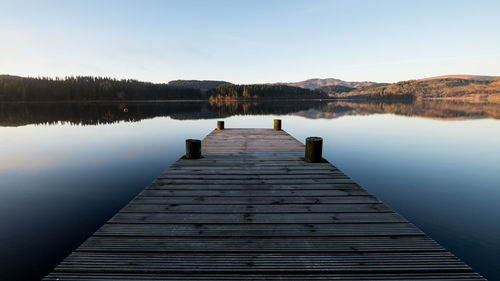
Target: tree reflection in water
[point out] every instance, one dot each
(90, 113)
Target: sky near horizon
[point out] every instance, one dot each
(250, 41)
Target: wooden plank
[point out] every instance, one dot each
(241, 172)
(209, 186)
(214, 262)
(247, 177)
(250, 181)
(255, 209)
(252, 230)
(252, 209)
(434, 276)
(379, 244)
(252, 193)
(249, 217)
(256, 200)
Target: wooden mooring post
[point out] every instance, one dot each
(220, 125)
(252, 209)
(277, 125)
(314, 148)
(193, 149)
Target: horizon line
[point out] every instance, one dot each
(275, 82)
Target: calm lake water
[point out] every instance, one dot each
(66, 168)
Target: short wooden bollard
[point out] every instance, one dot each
(277, 124)
(314, 148)
(220, 125)
(193, 149)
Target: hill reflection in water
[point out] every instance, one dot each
(19, 114)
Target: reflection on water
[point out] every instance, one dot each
(59, 180)
(18, 114)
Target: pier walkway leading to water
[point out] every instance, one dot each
(253, 209)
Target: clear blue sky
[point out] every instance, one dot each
(250, 41)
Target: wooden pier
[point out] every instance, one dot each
(252, 209)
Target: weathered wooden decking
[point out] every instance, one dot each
(252, 209)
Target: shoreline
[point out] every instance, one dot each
(475, 99)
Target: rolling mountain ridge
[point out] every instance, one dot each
(315, 83)
(461, 76)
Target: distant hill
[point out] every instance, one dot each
(448, 88)
(313, 84)
(203, 85)
(462, 76)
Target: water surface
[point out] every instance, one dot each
(67, 168)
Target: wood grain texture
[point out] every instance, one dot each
(253, 209)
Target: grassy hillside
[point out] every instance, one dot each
(461, 76)
(433, 88)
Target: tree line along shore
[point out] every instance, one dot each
(86, 88)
